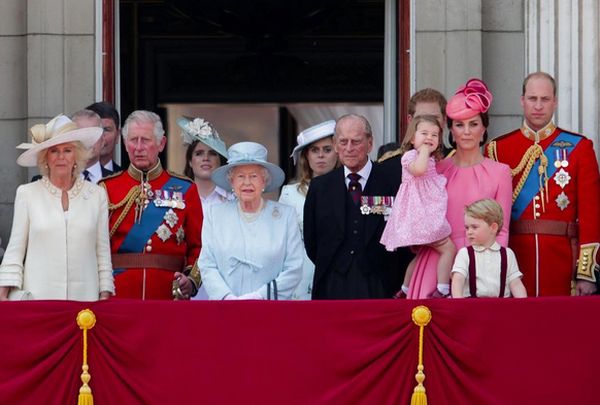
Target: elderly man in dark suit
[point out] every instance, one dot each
(343, 221)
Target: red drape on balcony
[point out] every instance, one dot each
(484, 351)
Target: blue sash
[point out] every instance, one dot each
(532, 184)
(152, 217)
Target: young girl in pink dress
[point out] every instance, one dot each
(419, 213)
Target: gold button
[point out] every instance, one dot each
(537, 197)
(537, 214)
(148, 248)
(149, 242)
(537, 206)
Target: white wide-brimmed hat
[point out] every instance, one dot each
(312, 134)
(59, 130)
(198, 129)
(248, 153)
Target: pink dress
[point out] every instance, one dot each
(419, 212)
(466, 185)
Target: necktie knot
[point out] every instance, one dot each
(86, 175)
(354, 187)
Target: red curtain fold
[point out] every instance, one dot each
(476, 351)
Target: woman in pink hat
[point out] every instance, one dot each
(313, 156)
(470, 177)
(59, 246)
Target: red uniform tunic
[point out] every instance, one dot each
(175, 234)
(560, 223)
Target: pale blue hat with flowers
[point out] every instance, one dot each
(198, 129)
(248, 153)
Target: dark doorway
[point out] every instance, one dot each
(240, 51)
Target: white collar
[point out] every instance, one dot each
(363, 173)
(495, 247)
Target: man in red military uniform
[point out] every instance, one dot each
(155, 219)
(555, 221)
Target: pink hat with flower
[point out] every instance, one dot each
(469, 100)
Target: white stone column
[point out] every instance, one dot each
(562, 39)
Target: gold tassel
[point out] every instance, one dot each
(421, 316)
(86, 320)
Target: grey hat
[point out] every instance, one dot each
(248, 153)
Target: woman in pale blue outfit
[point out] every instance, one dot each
(251, 248)
(313, 156)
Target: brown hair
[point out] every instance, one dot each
(485, 120)
(427, 95)
(187, 170)
(487, 210)
(412, 130)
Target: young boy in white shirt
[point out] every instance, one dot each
(485, 269)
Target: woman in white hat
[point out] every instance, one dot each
(313, 156)
(204, 154)
(59, 245)
(251, 248)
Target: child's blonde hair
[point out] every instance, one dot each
(406, 145)
(487, 210)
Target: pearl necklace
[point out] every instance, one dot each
(251, 216)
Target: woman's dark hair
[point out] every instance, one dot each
(188, 156)
(485, 119)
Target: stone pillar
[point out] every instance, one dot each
(47, 52)
(562, 39)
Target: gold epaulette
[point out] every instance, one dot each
(389, 154)
(110, 176)
(491, 151)
(587, 264)
(179, 176)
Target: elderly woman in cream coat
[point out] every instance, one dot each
(59, 245)
(251, 247)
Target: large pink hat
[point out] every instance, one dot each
(469, 100)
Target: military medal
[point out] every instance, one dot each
(171, 218)
(562, 201)
(564, 162)
(377, 205)
(557, 161)
(562, 178)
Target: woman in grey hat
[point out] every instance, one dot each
(59, 246)
(204, 154)
(251, 247)
(313, 156)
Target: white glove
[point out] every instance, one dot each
(250, 296)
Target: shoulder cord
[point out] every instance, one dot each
(128, 201)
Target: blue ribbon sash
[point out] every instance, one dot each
(152, 217)
(532, 184)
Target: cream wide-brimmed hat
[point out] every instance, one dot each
(248, 153)
(312, 134)
(59, 130)
(198, 129)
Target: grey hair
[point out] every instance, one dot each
(355, 117)
(140, 116)
(265, 173)
(86, 114)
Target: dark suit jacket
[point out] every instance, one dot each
(325, 222)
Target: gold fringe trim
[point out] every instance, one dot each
(86, 320)
(421, 316)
